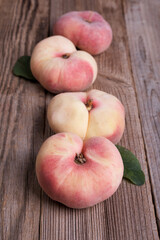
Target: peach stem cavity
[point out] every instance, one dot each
(80, 159)
(89, 105)
(65, 56)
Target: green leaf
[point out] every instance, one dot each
(22, 68)
(132, 167)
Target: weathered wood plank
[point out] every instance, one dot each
(129, 214)
(142, 20)
(22, 103)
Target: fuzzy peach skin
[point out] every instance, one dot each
(59, 67)
(87, 114)
(76, 174)
(88, 30)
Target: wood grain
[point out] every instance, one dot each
(142, 19)
(22, 106)
(26, 211)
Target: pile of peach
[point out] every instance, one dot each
(79, 166)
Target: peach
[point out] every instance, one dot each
(76, 174)
(87, 114)
(59, 67)
(88, 30)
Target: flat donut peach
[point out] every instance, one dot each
(78, 174)
(88, 30)
(87, 114)
(59, 67)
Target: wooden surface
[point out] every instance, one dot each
(130, 70)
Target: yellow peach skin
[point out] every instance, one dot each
(59, 67)
(76, 174)
(87, 114)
